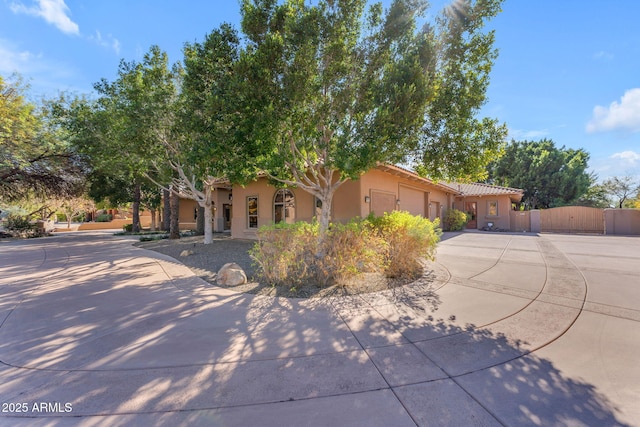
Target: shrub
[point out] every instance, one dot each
(284, 252)
(19, 224)
(455, 220)
(104, 218)
(128, 228)
(349, 250)
(409, 239)
(288, 254)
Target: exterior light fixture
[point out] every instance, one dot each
(398, 202)
(367, 199)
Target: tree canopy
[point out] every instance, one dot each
(35, 156)
(550, 176)
(331, 89)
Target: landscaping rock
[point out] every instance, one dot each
(186, 252)
(231, 274)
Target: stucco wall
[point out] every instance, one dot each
(434, 199)
(265, 192)
(502, 220)
(622, 221)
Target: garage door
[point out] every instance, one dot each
(412, 200)
(382, 202)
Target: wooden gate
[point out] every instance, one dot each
(572, 219)
(520, 220)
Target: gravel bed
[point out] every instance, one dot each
(206, 260)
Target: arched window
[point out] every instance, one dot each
(284, 208)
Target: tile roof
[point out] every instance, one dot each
(479, 189)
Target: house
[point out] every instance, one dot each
(242, 210)
(488, 205)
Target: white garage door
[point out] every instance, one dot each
(412, 200)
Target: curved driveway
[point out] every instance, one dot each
(506, 330)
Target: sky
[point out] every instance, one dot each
(567, 70)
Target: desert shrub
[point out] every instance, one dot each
(104, 218)
(288, 254)
(128, 228)
(284, 253)
(349, 250)
(455, 220)
(409, 239)
(19, 223)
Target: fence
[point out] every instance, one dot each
(578, 219)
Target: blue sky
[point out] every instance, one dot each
(568, 70)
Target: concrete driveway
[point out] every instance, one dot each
(506, 330)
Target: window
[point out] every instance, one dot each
(284, 206)
(252, 212)
(492, 208)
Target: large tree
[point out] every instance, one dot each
(118, 131)
(550, 176)
(621, 190)
(36, 159)
(197, 147)
(331, 88)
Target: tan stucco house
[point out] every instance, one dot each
(242, 210)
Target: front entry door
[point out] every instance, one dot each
(226, 213)
(471, 208)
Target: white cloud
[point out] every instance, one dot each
(44, 75)
(603, 56)
(53, 11)
(623, 115)
(109, 41)
(630, 157)
(519, 134)
(14, 60)
(617, 164)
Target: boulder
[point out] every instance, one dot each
(231, 274)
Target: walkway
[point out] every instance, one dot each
(507, 330)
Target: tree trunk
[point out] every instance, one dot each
(208, 225)
(166, 211)
(200, 221)
(324, 220)
(174, 229)
(136, 208)
(153, 219)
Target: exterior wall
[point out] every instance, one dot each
(502, 220)
(348, 202)
(304, 207)
(186, 214)
(432, 203)
(622, 221)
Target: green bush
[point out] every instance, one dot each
(128, 228)
(455, 220)
(104, 218)
(409, 238)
